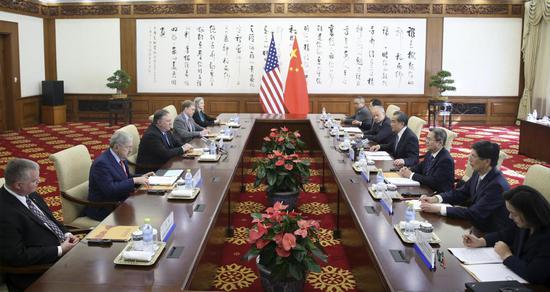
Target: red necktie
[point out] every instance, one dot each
(123, 167)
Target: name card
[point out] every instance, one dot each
(387, 202)
(426, 253)
(197, 178)
(167, 227)
(365, 174)
(351, 153)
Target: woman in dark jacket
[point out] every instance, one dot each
(200, 117)
(525, 247)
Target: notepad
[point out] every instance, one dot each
(492, 272)
(162, 180)
(475, 256)
(351, 129)
(416, 204)
(173, 172)
(402, 182)
(380, 158)
(112, 232)
(377, 153)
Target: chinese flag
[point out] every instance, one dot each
(296, 98)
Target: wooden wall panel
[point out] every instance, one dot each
(252, 107)
(503, 108)
(50, 59)
(128, 51)
(220, 106)
(29, 111)
(434, 52)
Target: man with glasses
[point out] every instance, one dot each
(480, 197)
(403, 144)
(110, 180)
(185, 127)
(362, 114)
(29, 234)
(381, 131)
(438, 168)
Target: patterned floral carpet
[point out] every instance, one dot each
(37, 143)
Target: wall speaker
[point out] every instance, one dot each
(52, 93)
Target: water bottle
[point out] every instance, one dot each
(336, 132)
(237, 119)
(346, 139)
(147, 230)
(188, 180)
(362, 160)
(379, 176)
(212, 147)
(220, 144)
(227, 131)
(410, 216)
(323, 114)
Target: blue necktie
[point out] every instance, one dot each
(166, 139)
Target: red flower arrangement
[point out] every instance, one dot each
(286, 243)
(282, 173)
(283, 140)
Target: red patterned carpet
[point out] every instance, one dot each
(37, 143)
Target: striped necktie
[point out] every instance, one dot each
(47, 221)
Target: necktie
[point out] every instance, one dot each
(51, 225)
(477, 185)
(429, 163)
(123, 167)
(396, 142)
(190, 125)
(166, 139)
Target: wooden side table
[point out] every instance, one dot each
(438, 108)
(54, 115)
(122, 106)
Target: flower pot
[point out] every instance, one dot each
(288, 198)
(270, 285)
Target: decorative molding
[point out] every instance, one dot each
(164, 9)
(87, 10)
(437, 8)
(250, 8)
(517, 10)
(324, 8)
(21, 5)
(398, 8)
(202, 9)
(50, 10)
(359, 8)
(126, 9)
(477, 9)
(279, 8)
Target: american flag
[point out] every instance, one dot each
(271, 89)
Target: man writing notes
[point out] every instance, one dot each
(362, 114)
(158, 144)
(30, 235)
(437, 169)
(185, 127)
(380, 132)
(110, 179)
(403, 145)
(481, 195)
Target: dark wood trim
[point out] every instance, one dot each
(28, 109)
(50, 58)
(434, 51)
(10, 31)
(128, 51)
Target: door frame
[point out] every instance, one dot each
(10, 30)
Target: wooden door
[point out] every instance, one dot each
(3, 87)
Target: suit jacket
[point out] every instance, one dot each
(436, 172)
(202, 119)
(154, 151)
(24, 239)
(363, 115)
(183, 133)
(108, 183)
(407, 147)
(530, 253)
(380, 133)
(485, 206)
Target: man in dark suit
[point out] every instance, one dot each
(158, 144)
(362, 114)
(403, 145)
(380, 132)
(110, 179)
(185, 127)
(200, 117)
(437, 170)
(29, 234)
(481, 194)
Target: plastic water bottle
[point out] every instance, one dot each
(212, 147)
(410, 216)
(379, 176)
(147, 230)
(188, 180)
(237, 119)
(220, 144)
(323, 113)
(346, 138)
(362, 159)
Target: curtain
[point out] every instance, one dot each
(541, 87)
(536, 11)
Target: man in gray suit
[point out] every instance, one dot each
(185, 128)
(362, 114)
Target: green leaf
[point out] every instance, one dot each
(295, 272)
(252, 253)
(312, 266)
(271, 178)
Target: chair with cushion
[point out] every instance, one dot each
(538, 177)
(72, 167)
(415, 124)
(450, 137)
(392, 108)
(2, 180)
(470, 171)
(171, 110)
(132, 158)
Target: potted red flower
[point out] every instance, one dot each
(285, 246)
(283, 140)
(285, 176)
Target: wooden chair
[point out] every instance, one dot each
(72, 167)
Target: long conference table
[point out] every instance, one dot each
(91, 268)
